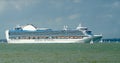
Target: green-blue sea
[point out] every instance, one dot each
(60, 53)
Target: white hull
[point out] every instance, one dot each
(50, 40)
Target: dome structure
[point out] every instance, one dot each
(29, 28)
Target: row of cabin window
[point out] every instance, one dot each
(55, 37)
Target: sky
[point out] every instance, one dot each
(100, 16)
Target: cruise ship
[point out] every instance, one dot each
(31, 34)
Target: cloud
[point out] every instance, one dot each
(74, 16)
(20, 4)
(109, 15)
(2, 6)
(58, 19)
(15, 4)
(105, 16)
(76, 1)
(116, 4)
(57, 3)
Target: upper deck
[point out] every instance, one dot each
(32, 31)
(46, 33)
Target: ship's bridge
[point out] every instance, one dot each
(81, 28)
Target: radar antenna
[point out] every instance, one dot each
(79, 27)
(18, 26)
(65, 27)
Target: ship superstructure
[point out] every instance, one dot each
(31, 34)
